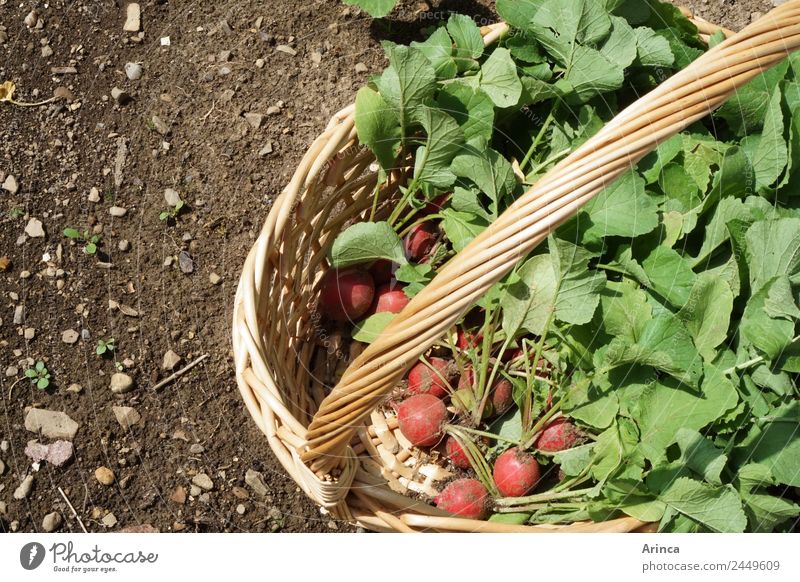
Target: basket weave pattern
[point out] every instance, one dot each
(344, 452)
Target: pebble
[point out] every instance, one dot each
(109, 520)
(120, 95)
(255, 481)
(47, 51)
(170, 360)
(94, 195)
(178, 495)
(194, 490)
(171, 197)
(124, 245)
(19, 312)
(52, 424)
(56, 453)
(159, 125)
(52, 521)
(64, 93)
(266, 150)
(254, 119)
(126, 416)
(69, 336)
(104, 476)
(260, 63)
(121, 383)
(214, 279)
(185, 262)
(75, 388)
(361, 68)
(133, 18)
(31, 19)
(34, 228)
(24, 488)
(203, 481)
(11, 371)
(240, 509)
(316, 57)
(2, 507)
(196, 449)
(29, 333)
(273, 110)
(285, 48)
(2, 467)
(133, 71)
(117, 211)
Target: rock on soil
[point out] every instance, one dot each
(126, 416)
(121, 383)
(133, 18)
(255, 481)
(56, 453)
(69, 336)
(10, 184)
(133, 71)
(171, 359)
(171, 197)
(203, 481)
(52, 521)
(24, 488)
(104, 476)
(34, 228)
(52, 424)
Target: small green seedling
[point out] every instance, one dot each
(119, 366)
(172, 212)
(90, 241)
(104, 346)
(38, 375)
(16, 213)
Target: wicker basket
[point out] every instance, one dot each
(340, 447)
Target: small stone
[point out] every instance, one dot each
(203, 481)
(75, 388)
(133, 18)
(214, 279)
(260, 63)
(19, 313)
(124, 245)
(285, 48)
(24, 488)
(29, 333)
(3, 37)
(11, 371)
(255, 481)
(126, 416)
(275, 514)
(117, 211)
(316, 57)
(104, 476)
(178, 495)
(121, 383)
(139, 528)
(59, 452)
(69, 336)
(171, 197)
(240, 509)
(64, 94)
(266, 150)
(120, 96)
(34, 228)
(194, 490)
(133, 71)
(31, 19)
(94, 195)
(185, 262)
(196, 449)
(51, 522)
(273, 110)
(10, 184)
(254, 119)
(361, 68)
(109, 520)
(3, 507)
(50, 423)
(159, 125)
(36, 451)
(240, 493)
(170, 360)
(47, 51)
(2, 467)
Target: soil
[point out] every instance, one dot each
(223, 62)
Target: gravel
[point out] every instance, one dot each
(133, 18)
(126, 416)
(10, 184)
(34, 228)
(52, 424)
(255, 481)
(104, 476)
(203, 481)
(52, 521)
(69, 336)
(24, 488)
(171, 197)
(170, 360)
(121, 383)
(133, 71)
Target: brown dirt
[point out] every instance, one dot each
(60, 151)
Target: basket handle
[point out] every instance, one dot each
(686, 97)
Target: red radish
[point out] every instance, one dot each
(423, 380)
(467, 379)
(420, 240)
(465, 340)
(465, 497)
(516, 473)
(558, 436)
(382, 271)
(389, 299)
(456, 454)
(502, 395)
(421, 418)
(346, 295)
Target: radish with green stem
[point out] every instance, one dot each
(516, 473)
(429, 379)
(559, 435)
(346, 295)
(420, 241)
(389, 299)
(421, 419)
(464, 497)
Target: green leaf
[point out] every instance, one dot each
(591, 73)
(558, 282)
(72, 233)
(407, 83)
(670, 275)
(489, 171)
(769, 152)
(523, 47)
(620, 46)
(518, 13)
(780, 301)
(764, 511)
(575, 460)
(364, 242)
(653, 50)
(471, 107)
(700, 455)
(40, 366)
(666, 407)
(561, 25)
(90, 248)
(375, 8)
(499, 79)
(707, 313)
(438, 49)
(509, 426)
(665, 344)
(444, 140)
(653, 163)
(377, 126)
(512, 518)
(615, 447)
(461, 227)
(777, 445)
(745, 111)
(31, 373)
(773, 248)
(630, 497)
(718, 508)
(42, 383)
(464, 200)
(624, 310)
(367, 331)
(728, 210)
(621, 209)
(467, 38)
